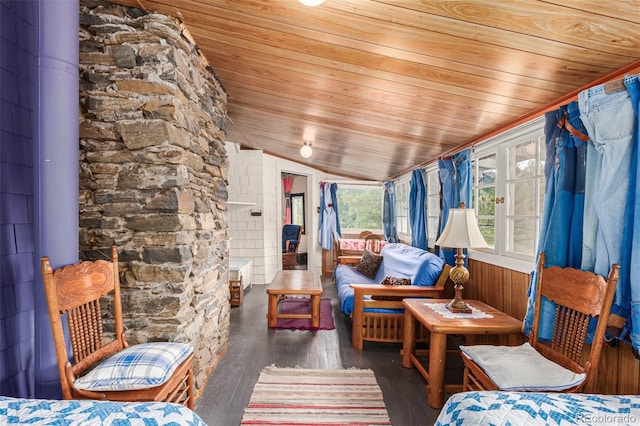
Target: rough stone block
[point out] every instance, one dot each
(140, 134)
(124, 56)
(175, 254)
(96, 130)
(157, 223)
(117, 157)
(162, 305)
(144, 87)
(159, 273)
(142, 239)
(149, 176)
(121, 209)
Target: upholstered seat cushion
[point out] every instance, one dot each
(136, 367)
(521, 368)
(345, 275)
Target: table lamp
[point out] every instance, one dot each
(461, 231)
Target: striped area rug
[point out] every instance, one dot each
(297, 396)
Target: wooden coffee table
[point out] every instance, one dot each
(294, 283)
(439, 327)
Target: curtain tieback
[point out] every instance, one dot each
(564, 124)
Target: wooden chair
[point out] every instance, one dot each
(291, 235)
(373, 243)
(364, 234)
(75, 291)
(579, 296)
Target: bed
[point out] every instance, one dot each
(537, 408)
(88, 412)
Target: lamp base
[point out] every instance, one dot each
(458, 307)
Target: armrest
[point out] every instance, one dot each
(349, 259)
(360, 290)
(396, 290)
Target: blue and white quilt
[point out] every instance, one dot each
(19, 411)
(537, 408)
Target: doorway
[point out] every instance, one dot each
(294, 212)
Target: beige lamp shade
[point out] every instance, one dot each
(462, 231)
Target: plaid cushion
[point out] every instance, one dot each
(137, 367)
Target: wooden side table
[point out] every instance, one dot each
(294, 283)
(439, 327)
(236, 290)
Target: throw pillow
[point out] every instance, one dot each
(369, 264)
(137, 367)
(393, 281)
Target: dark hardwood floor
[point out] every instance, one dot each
(253, 346)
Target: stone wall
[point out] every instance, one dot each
(154, 175)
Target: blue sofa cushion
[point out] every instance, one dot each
(403, 261)
(344, 276)
(398, 260)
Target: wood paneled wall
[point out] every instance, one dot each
(505, 289)
(619, 370)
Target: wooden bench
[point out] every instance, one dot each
(294, 283)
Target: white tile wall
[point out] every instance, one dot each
(256, 177)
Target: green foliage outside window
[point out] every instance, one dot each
(360, 208)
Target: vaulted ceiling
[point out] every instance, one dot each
(382, 86)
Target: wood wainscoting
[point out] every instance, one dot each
(505, 289)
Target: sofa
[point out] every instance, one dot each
(376, 309)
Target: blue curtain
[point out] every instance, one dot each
(333, 188)
(389, 213)
(562, 216)
(580, 206)
(456, 183)
(329, 228)
(632, 218)
(417, 210)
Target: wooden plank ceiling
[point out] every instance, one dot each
(381, 86)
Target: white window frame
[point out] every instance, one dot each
(433, 198)
(402, 209)
(500, 256)
(477, 187)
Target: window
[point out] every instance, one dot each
(402, 211)
(360, 208)
(525, 195)
(433, 205)
(484, 195)
(297, 210)
(508, 195)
